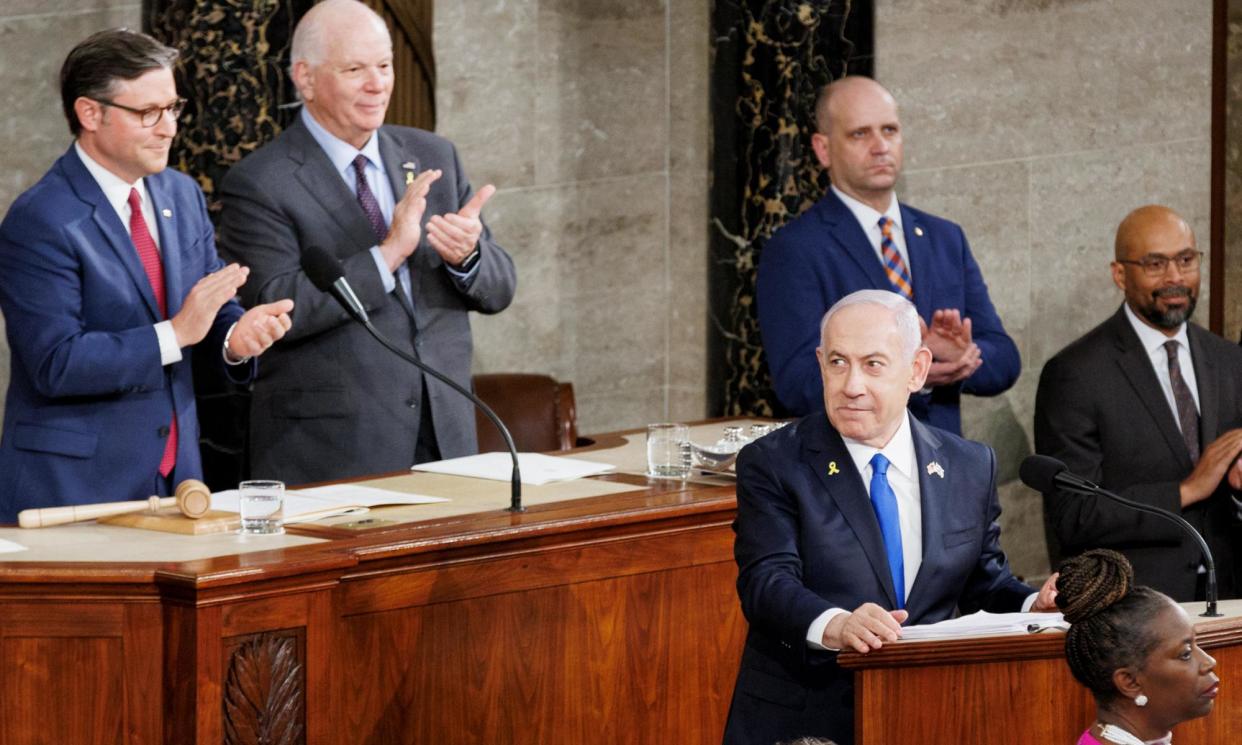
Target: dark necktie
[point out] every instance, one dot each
(154, 267)
(894, 267)
(370, 207)
(884, 502)
(1187, 414)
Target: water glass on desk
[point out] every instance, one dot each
(669, 454)
(262, 506)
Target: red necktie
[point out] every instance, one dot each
(154, 267)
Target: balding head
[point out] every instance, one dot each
(1135, 231)
(1156, 264)
(327, 21)
(859, 139)
(846, 93)
(342, 67)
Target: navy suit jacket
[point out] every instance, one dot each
(89, 404)
(808, 541)
(824, 255)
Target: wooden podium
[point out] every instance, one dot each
(603, 619)
(1015, 689)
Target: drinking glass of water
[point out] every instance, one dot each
(262, 506)
(668, 451)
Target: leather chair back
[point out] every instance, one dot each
(539, 411)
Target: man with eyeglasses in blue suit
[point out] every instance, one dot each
(109, 281)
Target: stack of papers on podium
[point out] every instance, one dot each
(304, 505)
(536, 468)
(986, 624)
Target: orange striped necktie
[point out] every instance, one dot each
(894, 267)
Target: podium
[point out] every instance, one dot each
(605, 618)
(1015, 689)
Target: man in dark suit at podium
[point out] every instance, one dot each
(854, 520)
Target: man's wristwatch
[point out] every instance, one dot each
(468, 263)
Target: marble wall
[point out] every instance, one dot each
(592, 119)
(1038, 125)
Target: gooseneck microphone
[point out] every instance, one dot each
(325, 274)
(1045, 474)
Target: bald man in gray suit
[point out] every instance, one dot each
(394, 206)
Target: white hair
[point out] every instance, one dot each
(905, 316)
(310, 38)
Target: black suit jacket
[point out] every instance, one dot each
(808, 541)
(330, 402)
(1101, 410)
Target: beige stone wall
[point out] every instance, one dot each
(591, 118)
(1037, 126)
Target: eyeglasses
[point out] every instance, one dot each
(1155, 265)
(151, 115)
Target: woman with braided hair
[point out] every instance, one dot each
(1134, 649)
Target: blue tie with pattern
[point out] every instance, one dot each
(884, 502)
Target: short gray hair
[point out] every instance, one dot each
(904, 314)
(310, 37)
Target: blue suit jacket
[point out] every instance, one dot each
(824, 255)
(89, 404)
(808, 541)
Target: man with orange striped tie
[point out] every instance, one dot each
(858, 236)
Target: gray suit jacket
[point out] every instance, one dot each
(1101, 410)
(330, 402)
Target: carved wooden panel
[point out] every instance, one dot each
(265, 690)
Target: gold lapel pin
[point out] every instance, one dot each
(409, 166)
(918, 231)
(934, 468)
(832, 469)
(166, 212)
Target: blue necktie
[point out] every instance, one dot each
(884, 502)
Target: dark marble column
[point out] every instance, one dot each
(771, 56)
(233, 70)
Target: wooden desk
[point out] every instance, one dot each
(1014, 689)
(606, 619)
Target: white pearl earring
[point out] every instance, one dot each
(1140, 700)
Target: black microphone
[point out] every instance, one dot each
(325, 273)
(1045, 474)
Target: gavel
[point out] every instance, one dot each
(192, 498)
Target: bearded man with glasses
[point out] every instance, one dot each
(1149, 406)
(109, 281)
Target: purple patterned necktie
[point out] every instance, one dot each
(366, 198)
(1187, 414)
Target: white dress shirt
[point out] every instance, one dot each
(1153, 343)
(869, 220)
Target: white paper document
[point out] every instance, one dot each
(9, 547)
(536, 468)
(986, 624)
(323, 501)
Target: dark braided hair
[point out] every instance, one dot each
(1110, 619)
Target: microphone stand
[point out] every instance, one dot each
(515, 488)
(1088, 488)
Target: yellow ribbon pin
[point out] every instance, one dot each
(832, 469)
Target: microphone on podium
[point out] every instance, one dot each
(325, 274)
(1045, 474)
